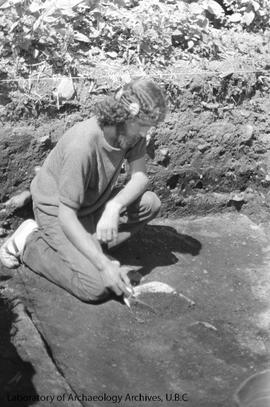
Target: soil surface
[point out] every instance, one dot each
(211, 154)
(209, 157)
(28, 376)
(199, 344)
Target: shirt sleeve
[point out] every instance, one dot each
(74, 176)
(136, 152)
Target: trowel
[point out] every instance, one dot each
(133, 303)
(142, 309)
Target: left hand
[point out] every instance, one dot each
(107, 227)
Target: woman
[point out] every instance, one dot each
(77, 210)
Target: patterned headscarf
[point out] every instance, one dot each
(144, 99)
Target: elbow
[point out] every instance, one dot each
(62, 220)
(146, 179)
(61, 215)
(65, 216)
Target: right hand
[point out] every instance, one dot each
(115, 278)
(107, 226)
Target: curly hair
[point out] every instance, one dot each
(144, 92)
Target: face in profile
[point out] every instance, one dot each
(132, 131)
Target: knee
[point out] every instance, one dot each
(94, 297)
(93, 292)
(152, 203)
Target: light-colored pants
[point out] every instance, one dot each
(49, 253)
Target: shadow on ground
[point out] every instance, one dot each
(5, 278)
(155, 246)
(205, 351)
(15, 374)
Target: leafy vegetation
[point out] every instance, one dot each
(40, 39)
(250, 14)
(152, 31)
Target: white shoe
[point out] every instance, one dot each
(13, 248)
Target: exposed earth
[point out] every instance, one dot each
(209, 163)
(209, 155)
(198, 345)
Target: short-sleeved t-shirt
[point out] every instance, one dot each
(81, 170)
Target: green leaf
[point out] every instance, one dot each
(81, 37)
(35, 6)
(204, 23)
(66, 4)
(255, 5)
(235, 18)
(195, 8)
(67, 12)
(119, 3)
(95, 33)
(3, 5)
(50, 20)
(14, 25)
(138, 29)
(214, 8)
(248, 17)
(112, 54)
(25, 44)
(35, 53)
(53, 33)
(90, 3)
(37, 23)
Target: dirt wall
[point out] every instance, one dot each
(210, 154)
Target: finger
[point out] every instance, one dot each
(124, 289)
(98, 233)
(128, 268)
(104, 236)
(114, 234)
(101, 233)
(117, 290)
(100, 239)
(124, 278)
(124, 271)
(127, 283)
(109, 235)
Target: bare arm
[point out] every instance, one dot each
(134, 188)
(107, 227)
(114, 276)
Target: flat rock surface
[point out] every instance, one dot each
(28, 375)
(197, 346)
